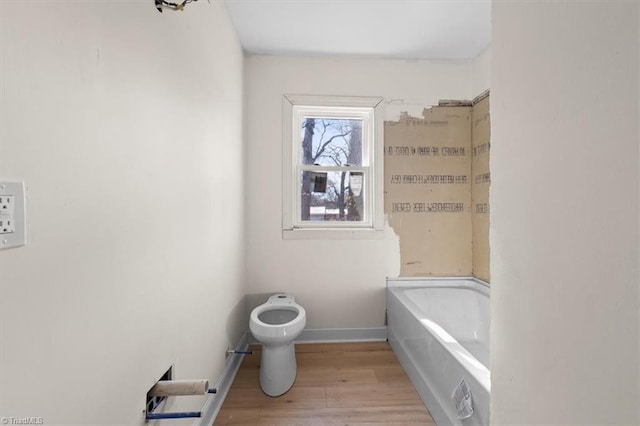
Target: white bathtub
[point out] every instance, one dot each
(439, 330)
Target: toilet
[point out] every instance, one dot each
(275, 324)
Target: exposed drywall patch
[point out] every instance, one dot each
(481, 179)
(397, 107)
(428, 190)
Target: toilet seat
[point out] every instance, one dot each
(269, 328)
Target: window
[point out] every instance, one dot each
(332, 164)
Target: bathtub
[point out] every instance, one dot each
(439, 330)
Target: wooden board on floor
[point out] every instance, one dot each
(337, 384)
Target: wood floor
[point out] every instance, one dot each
(337, 384)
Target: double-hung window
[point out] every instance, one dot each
(332, 164)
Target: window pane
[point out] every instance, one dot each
(331, 142)
(332, 196)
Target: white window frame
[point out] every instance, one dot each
(370, 111)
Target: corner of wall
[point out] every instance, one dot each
(481, 71)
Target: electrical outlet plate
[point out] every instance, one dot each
(7, 214)
(12, 215)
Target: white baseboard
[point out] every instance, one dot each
(214, 402)
(338, 335)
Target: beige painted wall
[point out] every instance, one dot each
(126, 126)
(340, 282)
(564, 213)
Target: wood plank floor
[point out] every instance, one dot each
(337, 384)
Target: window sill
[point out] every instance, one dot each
(332, 234)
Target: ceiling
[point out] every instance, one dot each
(410, 29)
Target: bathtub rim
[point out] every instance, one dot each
(415, 281)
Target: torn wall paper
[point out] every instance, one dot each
(481, 179)
(428, 190)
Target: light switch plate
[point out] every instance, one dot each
(12, 215)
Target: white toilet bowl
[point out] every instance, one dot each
(275, 324)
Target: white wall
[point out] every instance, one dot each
(564, 213)
(126, 125)
(339, 282)
(481, 71)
